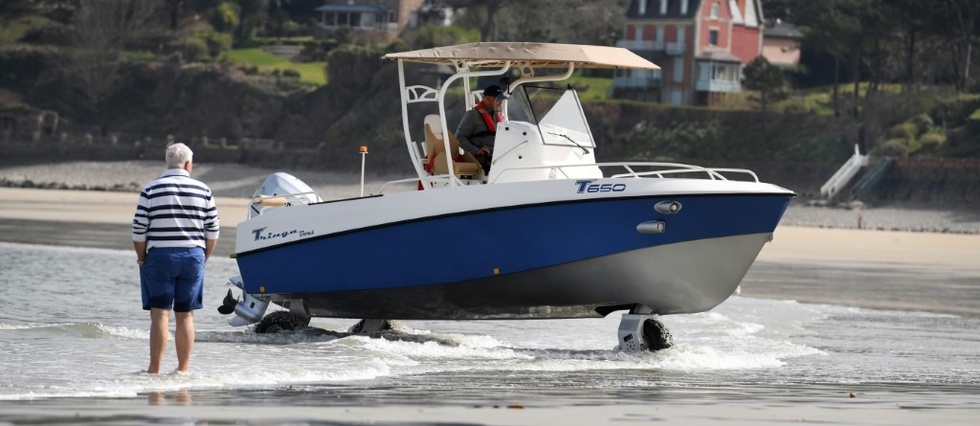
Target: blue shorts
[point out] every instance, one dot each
(173, 278)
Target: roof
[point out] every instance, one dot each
(750, 16)
(369, 8)
(718, 57)
(652, 10)
(780, 29)
(538, 55)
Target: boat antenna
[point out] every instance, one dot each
(364, 153)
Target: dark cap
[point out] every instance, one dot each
(492, 90)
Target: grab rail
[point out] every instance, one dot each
(667, 169)
(676, 168)
(632, 171)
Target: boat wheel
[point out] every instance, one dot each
(368, 326)
(656, 336)
(279, 321)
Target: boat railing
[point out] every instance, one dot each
(632, 170)
(712, 173)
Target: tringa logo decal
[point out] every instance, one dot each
(586, 186)
(260, 234)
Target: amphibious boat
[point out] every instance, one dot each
(547, 233)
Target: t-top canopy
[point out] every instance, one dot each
(540, 55)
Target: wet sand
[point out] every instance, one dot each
(831, 406)
(813, 265)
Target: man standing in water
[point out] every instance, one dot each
(175, 229)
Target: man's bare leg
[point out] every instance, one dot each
(184, 339)
(159, 322)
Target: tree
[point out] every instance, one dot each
(778, 9)
(913, 17)
(768, 80)
(961, 17)
(278, 13)
(101, 29)
(13, 9)
(251, 15)
(224, 17)
(556, 21)
(850, 31)
(484, 12)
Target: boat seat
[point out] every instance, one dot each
(463, 164)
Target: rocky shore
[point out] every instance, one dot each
(237, 180)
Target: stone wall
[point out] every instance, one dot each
(937, 181)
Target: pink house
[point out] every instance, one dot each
(700, 45)
(781, 43)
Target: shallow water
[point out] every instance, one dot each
(72, 334)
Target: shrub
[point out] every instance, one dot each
(922, 122)
(894, 148)
(932, 139)
(973, 125)
(225, 17)
(218, 43)
(316, 50)
(195, 50)
(906, 130)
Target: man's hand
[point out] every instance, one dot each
(483, 151)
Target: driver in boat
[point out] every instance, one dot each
(478, 127)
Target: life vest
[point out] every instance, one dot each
(487, 118)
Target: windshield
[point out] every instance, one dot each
(557, 112)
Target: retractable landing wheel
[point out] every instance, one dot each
(280, 321)
(639, 332)
(369, 326)
(656, 336)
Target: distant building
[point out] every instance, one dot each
(371, 20)
(781, 43)
(700, 45)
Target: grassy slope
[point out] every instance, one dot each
(311, 73)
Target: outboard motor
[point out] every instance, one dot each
(248, 310)
(278, 190)
(281, 189)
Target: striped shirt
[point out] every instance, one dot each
(175, 211)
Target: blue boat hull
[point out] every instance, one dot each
(557, 260)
